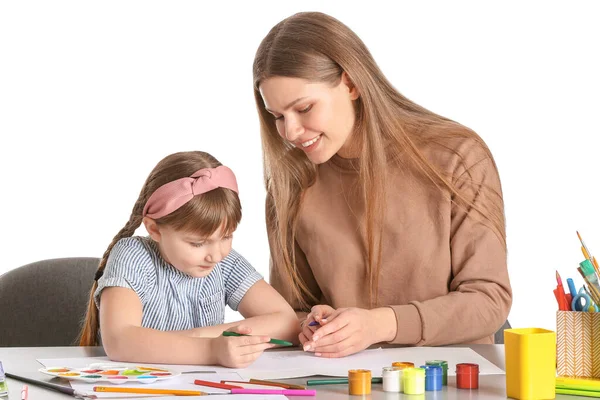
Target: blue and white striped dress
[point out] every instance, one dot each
(171, 299)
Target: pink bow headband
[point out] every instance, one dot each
(171, 196)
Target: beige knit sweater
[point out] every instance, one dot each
(443, 271)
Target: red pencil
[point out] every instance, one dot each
(559, 293)
(216, 385)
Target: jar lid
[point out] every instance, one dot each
(359, 373)
(412, 373)
(467, 368)
(437, 362)
(403, 364)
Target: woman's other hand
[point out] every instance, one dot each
(319, 314)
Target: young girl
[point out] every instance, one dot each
(385, 220)
(162, 298)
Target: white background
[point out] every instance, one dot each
(94, 94)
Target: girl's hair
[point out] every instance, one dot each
(319, 48)
(202, 215)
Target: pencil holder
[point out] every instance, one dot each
(578, 344)
(530, 355)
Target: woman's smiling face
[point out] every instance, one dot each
(315, 117)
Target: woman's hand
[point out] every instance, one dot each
(350, 330)
(319, 314)
(239, 351)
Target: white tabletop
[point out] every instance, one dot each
(22, 361)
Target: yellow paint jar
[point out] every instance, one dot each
(413, 380)
(359, 381)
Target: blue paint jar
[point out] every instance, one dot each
(433, 377)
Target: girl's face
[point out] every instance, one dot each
(315, 117)
(193, 255)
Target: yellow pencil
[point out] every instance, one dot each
(591, 382)
(174, 392)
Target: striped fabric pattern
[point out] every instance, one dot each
(171, 299)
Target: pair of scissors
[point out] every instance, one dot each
(582, 301)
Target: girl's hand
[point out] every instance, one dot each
(345, 333)
(320, 314)
(239, 351)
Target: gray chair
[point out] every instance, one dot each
(499, 335)
(44, 303)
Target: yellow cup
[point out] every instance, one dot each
(530, 355)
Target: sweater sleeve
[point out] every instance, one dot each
(480, 295)
(278, 277)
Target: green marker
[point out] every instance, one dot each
(274, 341)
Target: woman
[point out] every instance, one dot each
(385, 220)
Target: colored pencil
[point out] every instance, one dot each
(578, 383)
(199, 372)
(336, 381)
(560, 295)
(285, 392)
(175, 392)
(217, 385)
(575, 392)
(279, 384)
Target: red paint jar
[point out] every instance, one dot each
(467, 376)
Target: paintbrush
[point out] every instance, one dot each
(588, 254)
(59, 388)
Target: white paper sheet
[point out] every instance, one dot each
(297, 363)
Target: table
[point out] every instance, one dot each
(22, 361)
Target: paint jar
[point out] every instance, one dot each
(444, 365)
(433, 377)
(403, 364)
(530, 355)
(359, 381)
(467, 376)
(413, 380)
(392, 379)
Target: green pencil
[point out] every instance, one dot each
(274, 341)
(335, 381)
(575, 392)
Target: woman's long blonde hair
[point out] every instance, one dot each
(202, 215)
(319, 48)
